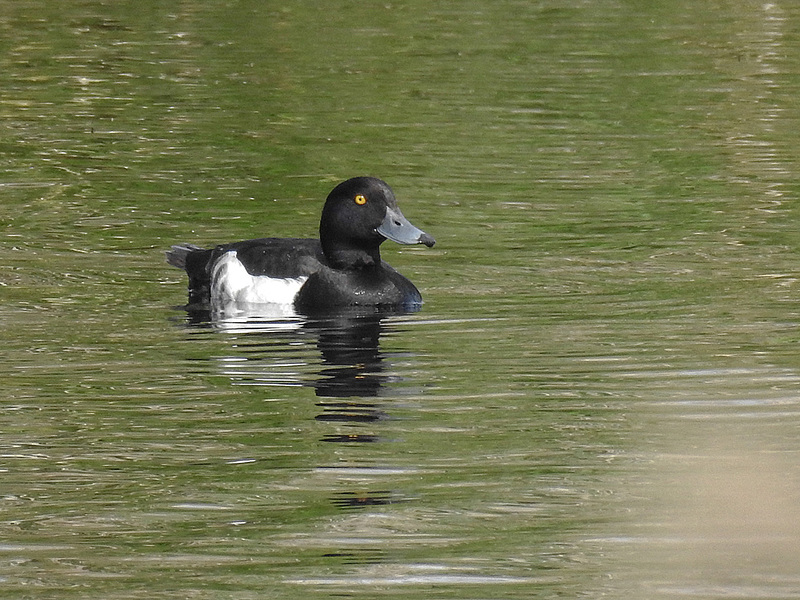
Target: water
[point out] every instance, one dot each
(598, 399)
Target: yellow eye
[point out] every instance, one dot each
(361, 200)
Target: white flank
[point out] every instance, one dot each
(230, 282)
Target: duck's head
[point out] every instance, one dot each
(359, 215)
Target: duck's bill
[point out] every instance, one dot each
(397, 228)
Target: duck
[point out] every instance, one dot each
(343, 268)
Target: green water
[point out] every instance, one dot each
(599, 398)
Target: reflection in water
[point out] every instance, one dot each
(353, 412)
(270, 351)
(354, 500)
(358, 438)
(358, 556)
(715, 500)
(273, 350)
(351, 355)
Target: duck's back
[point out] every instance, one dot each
(284, 258)
(274, 258)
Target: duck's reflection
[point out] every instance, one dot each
(352, 412)
(350, 350)
(354, 500)
(277, 350)
(340, 357)
(349, 438)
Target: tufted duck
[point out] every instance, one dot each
(342, 268)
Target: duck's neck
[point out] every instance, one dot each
(342, 256)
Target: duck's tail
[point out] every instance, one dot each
(176, 256)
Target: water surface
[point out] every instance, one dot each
(598, 398)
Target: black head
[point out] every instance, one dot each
(358, 216)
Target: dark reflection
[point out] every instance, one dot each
(351, 355)
(351, 438)
(353, 412)
(270, 351)
(358, 556)
(356, 500)
(339, 356)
